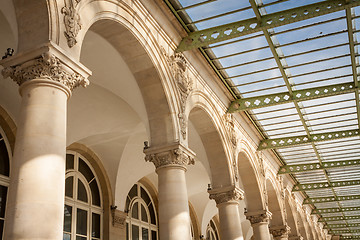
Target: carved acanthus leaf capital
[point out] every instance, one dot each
(280, 232)
(228, 194)
(49, 67)
(118, 218)
(168, 156)
(263, 216)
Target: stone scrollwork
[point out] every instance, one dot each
(258, 217)
(178, 156)
(71, 21)
(226, 195)
(280, 232)
(48, 67)
(178, 67)
(118, 218)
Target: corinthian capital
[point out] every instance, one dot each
(227, 194)
(262, 216)
(280, 232)
(170, 156)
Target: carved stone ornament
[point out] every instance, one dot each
(280, 232)
(170, 157)
(230, 127)
(118, 218)
(178, 68)
(224, 195)
(296, 237)
(263, 216)
(71, 21)
(46, 67)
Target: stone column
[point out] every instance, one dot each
(296, 237)
(260, 224)
(35, 205)
(280, 232)
(170, 162)
(227, 201)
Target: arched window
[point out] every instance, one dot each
(141, 223)
(83, 203)
(4, 180)
(211, 231)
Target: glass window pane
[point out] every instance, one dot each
(95, 232)
(135, 232)
(133, 192)
(67, 218)
(80, 238)
(69, 185)
(81, 222)
(145, 234)
(152, 214)
(95, 193)
(127, 231)
(4, 159)
(153, 235)
(143, 214)
(82, 194)
(135, 211)
(66, 236)
(145, 196)
(3, 194)
(69, 161)
(85, 170)
(1, 228)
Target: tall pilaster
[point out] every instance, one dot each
(227, 202)
(260, 223)
(170, 162)
(35, 205)
(280, 232)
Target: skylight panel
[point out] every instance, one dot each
(284, 5)
(320, 193)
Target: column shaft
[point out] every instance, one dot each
(230, 224)
(261, 231)
(35, 205)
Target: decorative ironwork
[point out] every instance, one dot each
(334, 210)
(330, 199)
(328, 226)
(228, 31)
(338, 218)
(316, 166)
(321, 185)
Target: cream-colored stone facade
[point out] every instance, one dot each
(146, 115)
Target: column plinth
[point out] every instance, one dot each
(227, 202)
(170, 162)
(35, 206)
(260, 223)
(280, 232)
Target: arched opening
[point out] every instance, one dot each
(274, 205)
(290, 218)
(4, 178)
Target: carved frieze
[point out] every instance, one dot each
(118, 218)
(170, 157)
(263, 216)
(71, 21)
(48, 67)
(280, 232)
(226, 195)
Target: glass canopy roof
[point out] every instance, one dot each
(292, 66)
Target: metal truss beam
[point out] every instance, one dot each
(330, 199)
(338, 218)
(331, 226)
(303, 139)
(316, 166)
(345, 231)
(334, 210)
(244, 104)
(350, 237)
(322, 185)
(232, 30)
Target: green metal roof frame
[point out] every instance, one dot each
(264, 23)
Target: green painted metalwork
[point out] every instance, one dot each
(316, 166)
(345, 231)
(228, 31)
(291, 141)
(328, 226)
(244, 104)
(338, 218)
(321, 185)
(334, 210)
(330, 199)
(350, 237)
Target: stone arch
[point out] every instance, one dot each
(142, 56)
(96, 164)
(274, 201)
(301, 224)
(202, 114)
(8, 126)
(250, 179)
(291, 215)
